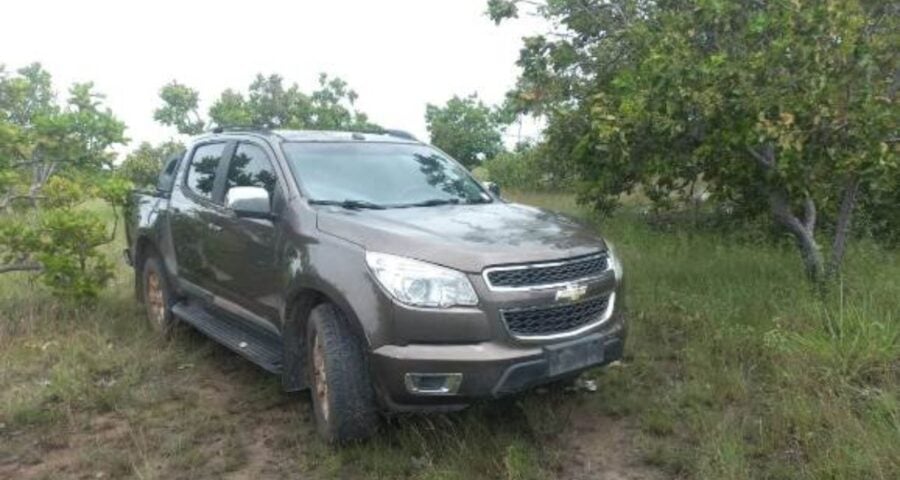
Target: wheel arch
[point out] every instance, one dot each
(143, 249)
(300, 303)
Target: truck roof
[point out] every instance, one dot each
(387, 136)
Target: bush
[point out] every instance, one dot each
(142, 166)
(528, 168)
(880, 215)
(54, 157)
(60, 240)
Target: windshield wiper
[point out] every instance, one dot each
(349, 204)
(433, 202)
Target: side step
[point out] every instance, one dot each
(261, 347)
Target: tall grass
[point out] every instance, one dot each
(738, 369)
(734, 369)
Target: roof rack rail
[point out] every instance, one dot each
(220, 129)
(400, 134)
(249, 130)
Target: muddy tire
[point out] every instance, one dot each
(157, 296)
(342, 395)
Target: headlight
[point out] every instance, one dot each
(421, 284)
(614, 261)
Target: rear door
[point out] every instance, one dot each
(250, 284)
(195, 203)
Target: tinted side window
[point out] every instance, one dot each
(167, 176)
(250, 167)
(201, 176)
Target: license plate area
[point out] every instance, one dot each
(574, 355)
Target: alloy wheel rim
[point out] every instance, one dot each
(155, 302)
(320, 376)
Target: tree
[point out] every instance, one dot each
(529, 167)
(466, 128)
(53, 157)
(180, 109)
(787, 107)
(268, 104)
(142, 166)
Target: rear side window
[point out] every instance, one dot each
(250, 167)
(201, 175)
(167, 176)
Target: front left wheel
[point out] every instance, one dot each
(342, 394)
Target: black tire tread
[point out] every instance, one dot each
(353, 409)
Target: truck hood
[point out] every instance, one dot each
(463, 237)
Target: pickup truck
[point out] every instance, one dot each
(373, 270)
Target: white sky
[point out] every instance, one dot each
(397, 54)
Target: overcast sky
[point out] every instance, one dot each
(397, 54)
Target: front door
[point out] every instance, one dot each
(250, 284)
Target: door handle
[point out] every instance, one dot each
(214, 227)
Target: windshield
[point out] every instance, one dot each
(367, 175)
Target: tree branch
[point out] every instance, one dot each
(25, 163)
(766, 158)
(781, 208)
(21, 267)
(812, 255)
(9, 200)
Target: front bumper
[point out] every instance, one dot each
(488, 369)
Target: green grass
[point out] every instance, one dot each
(739, 370)
(734, 369)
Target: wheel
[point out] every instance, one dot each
(158, 297)
(342, 395)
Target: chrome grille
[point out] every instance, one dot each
(545, 274)
(556, 319)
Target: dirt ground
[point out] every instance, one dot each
(214, 422)
(600, 447)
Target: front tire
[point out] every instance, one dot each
(157, 296)
(342, 394)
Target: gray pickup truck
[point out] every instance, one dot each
(373, 270)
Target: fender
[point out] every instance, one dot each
(311, 282)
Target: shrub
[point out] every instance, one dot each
(142, 166)
(528, 168)
(54, 157)
(61, 242)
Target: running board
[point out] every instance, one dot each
(261, 347)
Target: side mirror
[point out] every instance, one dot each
(249, 202)
(493, 188)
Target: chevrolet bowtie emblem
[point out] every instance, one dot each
(572, 293)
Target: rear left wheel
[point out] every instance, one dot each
(157, 297)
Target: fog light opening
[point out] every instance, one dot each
(433, 383)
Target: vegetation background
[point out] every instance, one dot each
(742, 156)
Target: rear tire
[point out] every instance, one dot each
(342, 395)
(157, 296)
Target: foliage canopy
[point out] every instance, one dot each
(53, 157)
(143, 164)
(268, 104)
(466, 128)
(788, 107)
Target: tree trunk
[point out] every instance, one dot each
(842, 229)
(812, 256)
(802, 230)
